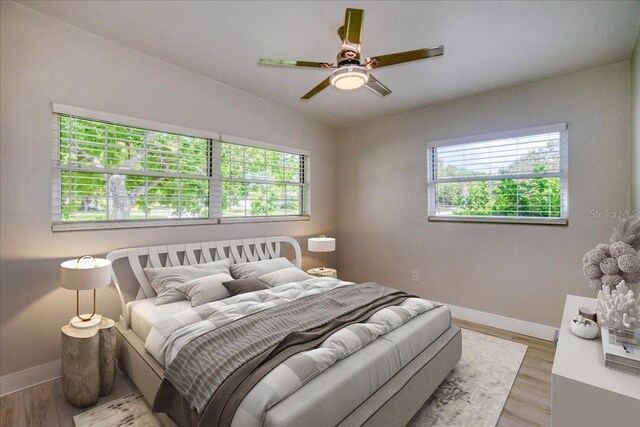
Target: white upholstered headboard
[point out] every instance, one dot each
(244, 250)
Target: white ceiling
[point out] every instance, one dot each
(488, 45)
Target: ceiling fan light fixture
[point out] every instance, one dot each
(349, 78)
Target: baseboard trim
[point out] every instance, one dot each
(29, 377)
(510, 324)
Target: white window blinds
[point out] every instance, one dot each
(261, 182)
(516, 176)
(107, 172)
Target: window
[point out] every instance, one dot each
(261, 182)
(110, 173)
(516, 176)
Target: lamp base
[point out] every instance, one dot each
(78, 323)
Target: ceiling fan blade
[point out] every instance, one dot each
(292, 63)
(374, 85)
(400, 57)
(323, 84)
(352, 31)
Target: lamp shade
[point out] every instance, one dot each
(85, 273)
(322, 244)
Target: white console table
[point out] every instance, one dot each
(584, 391)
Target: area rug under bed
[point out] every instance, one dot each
(130, 410)
(473, 394)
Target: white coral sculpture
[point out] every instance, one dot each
(618, 309)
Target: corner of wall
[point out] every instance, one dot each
(635, 126)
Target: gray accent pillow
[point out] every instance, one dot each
(255, 269)
(205, 289)
(286, 275)
(164, 280)
(242, 286)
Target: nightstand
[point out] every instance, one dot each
(323, 272)
(584, 391)
(88, 362)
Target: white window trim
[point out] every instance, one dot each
(563, 175)
(164, 127)
(216, 137)
(131, 121)
(260, 144)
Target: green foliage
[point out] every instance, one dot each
(116, 194)
(534, 197)
(108, 175)
(537, 197)
(260, 182)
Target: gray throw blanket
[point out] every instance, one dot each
(214, 372)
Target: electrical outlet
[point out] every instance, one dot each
(415, 276)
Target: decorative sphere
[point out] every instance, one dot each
(629, 263)
(609, 266)
(591, 271)
(611, 280)
(631, 278)
(596, 256)
(595, 284)
(618, 249)
(604, 248)
(585, 259)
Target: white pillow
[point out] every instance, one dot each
(255, 269)
(206, 289)
(286, 275)
(164, 280)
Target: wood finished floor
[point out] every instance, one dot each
(528, 404)
(44, 405)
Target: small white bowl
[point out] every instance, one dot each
(588, 331)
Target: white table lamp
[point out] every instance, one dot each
(82, 274)
(322, 244)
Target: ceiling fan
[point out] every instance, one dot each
(349, 73)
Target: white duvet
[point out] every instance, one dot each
(167, 337)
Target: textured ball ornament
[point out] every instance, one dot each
(618, 249)
(611, 280)
(592, 271)
(631, 278)
(596, 256)
(629, 263)
(609, 266)
(585, 259)
(595, 284)
(604, 248)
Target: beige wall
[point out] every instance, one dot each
(520, 271)
(44, 60)
(517, 271)
(635, 127)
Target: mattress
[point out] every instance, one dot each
(358, 376)
(144, 314)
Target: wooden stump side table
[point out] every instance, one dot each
(88, 363)
(107, 355)
(80, 368)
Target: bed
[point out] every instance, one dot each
(382, 383)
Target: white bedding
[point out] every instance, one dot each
(173, 324)
(144, 314)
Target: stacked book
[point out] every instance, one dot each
(621, 356)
